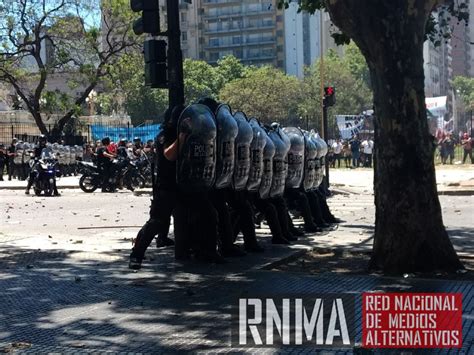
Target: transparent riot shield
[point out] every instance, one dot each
(310, 153)
(242, 152)
(227, 131)
(280, 161)
(256, 155)
(196, 165)
(267, 175)
(295, 157)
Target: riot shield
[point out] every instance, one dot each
(242, 152)
(226, 133)
(19, 149)
(196, 165)
(295, 157)
(256, 155)
(79, 152)
(55, 148)
(310, 153)
(320, 157)
(62, 154)
(67, 155)
(267, 175)
(280, 161)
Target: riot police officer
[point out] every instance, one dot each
(164, 190)
(42, 141)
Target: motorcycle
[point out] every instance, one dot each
(125, 174)
(45, 172)
(144, 168)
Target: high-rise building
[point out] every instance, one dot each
(460, 48)
(302, 39)
(251, 30)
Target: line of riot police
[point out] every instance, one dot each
(20, 155)
(218, 172)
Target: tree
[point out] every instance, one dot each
(200, 80)
(125, 90)
(352, 94)
(465, 87)
(46, 38)
(260, 93)
(409, 231)
(355, 62)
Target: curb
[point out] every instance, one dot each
(464, 192)
(290, 257)
(24, 187)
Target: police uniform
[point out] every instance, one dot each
(163, 202)
(195, 217)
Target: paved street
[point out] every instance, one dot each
(65, 286)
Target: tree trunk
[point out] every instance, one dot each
(409, 231)
(39, 122)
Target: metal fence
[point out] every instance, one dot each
(29, 132)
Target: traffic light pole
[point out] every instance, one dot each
(325, 137)
(175, 56)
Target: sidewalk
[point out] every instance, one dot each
(65, 286)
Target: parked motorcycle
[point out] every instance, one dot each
(125, 174)
(45, 171)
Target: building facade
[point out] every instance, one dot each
(302, 39)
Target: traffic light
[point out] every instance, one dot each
(156, 71)
(149, 22)
(329, 96)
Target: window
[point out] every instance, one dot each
(184, 36)
(214, 56)
(213, 41)
(236, 40)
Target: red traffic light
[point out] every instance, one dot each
(329, 90)
(329, 96)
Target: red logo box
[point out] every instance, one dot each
(412, 320)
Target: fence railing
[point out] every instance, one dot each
(79, 134)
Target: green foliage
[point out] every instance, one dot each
(126, 91)
(265, 92)
(41, 39)
(352, 93)
(465, 88)
(355, 62)
(200, 80)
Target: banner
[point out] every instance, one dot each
(116, 133)
(349, 125)
(436, 106)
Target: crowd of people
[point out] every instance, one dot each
(353, 153)
(219, 174)
(447, 144)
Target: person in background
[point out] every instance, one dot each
(367, 149)
(137, 147)
(346, 154)
(3, 159)
(448, 146)
(355, 151)
(104, 163)
(337, 149)
(11, 157)
(466, 143)
(112, 148)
